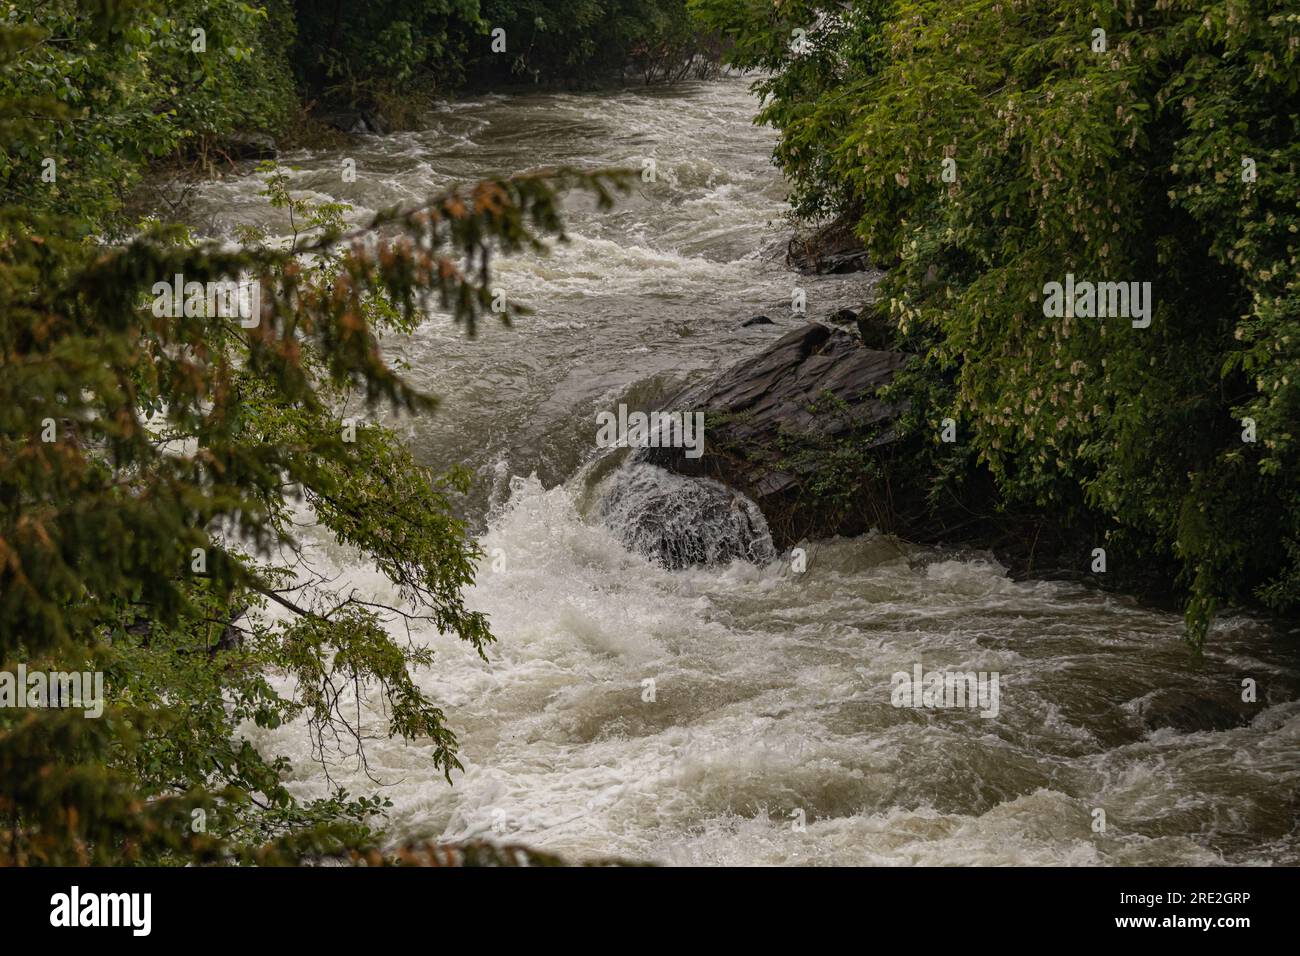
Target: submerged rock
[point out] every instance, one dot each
(757, 320)
(679, 521)
(776, 424)
(1186, 712)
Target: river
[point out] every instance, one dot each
(771, 737)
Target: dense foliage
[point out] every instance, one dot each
(572, 39)
(358, 51)
(181, 80)
(155, 453)
(1164, 150)
(175, 79)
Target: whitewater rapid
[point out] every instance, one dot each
(741, 714)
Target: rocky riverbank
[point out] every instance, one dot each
(777, 422)
(805, 430)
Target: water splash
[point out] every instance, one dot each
(679, 521)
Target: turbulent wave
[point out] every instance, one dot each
(679, 521)
(771, 737)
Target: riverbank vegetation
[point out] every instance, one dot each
(167, 408)
(194, 82)
(982, 151)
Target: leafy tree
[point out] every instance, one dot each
(369, 52)
(152, 461)
(101, 112)
(358, 51)
(593, 39)
(984, 150)
(813, 62)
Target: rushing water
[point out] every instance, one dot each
(771, 737)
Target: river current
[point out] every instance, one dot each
(771, 737)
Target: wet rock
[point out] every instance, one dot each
(1190, 712)
(680, 521)
(757, 320)
(376, 122)
(240, 146)
(358, 122)
(875, 330)
(830, 249)
(348, 121)
(775, 423)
